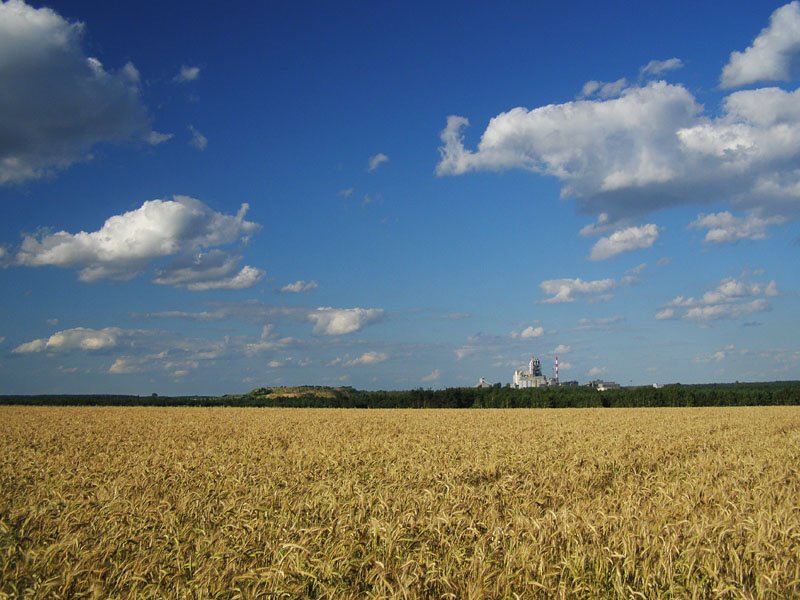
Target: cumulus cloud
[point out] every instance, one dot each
(187, 74)
(657, 67)
(725, 227)
(773, 54)
(368, 358)
(128, 243)
(300, 286)
(377, 160)
(79, 338)
(198, 140)
(625, 240)
(214, 270)
(57, 102)
(730, 299)
(529, 332)
(562, 349)
(595, 371)
(565, 290)
(649, 148)
(665, 314)
(340, 321)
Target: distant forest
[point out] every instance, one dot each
(728, 394)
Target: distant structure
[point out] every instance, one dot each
(532, 378)
(602, 386)
(485, 384)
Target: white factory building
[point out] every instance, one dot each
(532, 377)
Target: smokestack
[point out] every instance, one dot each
(556, 369)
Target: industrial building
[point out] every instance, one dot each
(532, 377)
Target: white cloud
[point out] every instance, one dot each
(719, 355)
(726, 311)
(602, 324)
(377, 160)
(773, 54)
(2, 339)
(730, 299)
(126, 244)
(595, 371)
(603, 89)
(187, 74)
(637, 269)
(340, 321)
(299, 287)
(667, 313)
(598, 227)
(124, 365)
(276, 364)
(562, 349)
(625, 240)
(434, 375)
(57, 102)
(214, 270)
(368, 358)
(529, 332)
(198, 140)
(269, 340)
(593, 146)
(346, 193)
(79, 338)
(657, 67)
(565, 290)
(725, 227)
(650, 148)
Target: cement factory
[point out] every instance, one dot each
(532, 377)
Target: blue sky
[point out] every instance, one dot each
(204, 200)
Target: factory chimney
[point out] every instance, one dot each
(556, 369)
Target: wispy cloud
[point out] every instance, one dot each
(187, 74)
(434, 375)
(377, 160)
(625, 240)
(659, 67)
(566, 290)
(198, 140)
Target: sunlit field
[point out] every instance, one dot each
(248, 503)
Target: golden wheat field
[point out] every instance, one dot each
(296, 503)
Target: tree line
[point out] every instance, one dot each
(730, 394)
